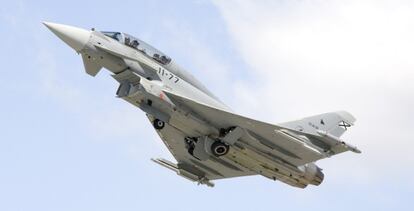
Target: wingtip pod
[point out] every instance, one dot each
(336, 141)
(353, 149)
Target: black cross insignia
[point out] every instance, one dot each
(344, 125)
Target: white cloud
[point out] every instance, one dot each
(317, 56)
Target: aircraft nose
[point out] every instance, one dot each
(75, 37)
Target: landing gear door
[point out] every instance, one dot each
(233, 135)
(202, 149)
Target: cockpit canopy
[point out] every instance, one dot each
(140, 45)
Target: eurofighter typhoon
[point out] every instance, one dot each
(207, 139)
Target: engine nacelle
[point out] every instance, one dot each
(313, 174)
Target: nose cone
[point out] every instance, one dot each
(73, 36)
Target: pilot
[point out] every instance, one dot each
(127, 41)
(134, 44)
(157, 57)
(164, 59)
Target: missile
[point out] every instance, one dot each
(182, 172)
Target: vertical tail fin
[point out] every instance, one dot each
(334, 123)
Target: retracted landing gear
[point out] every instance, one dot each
(219, 148)
(158, 124)
(204, 147)
(191, 144)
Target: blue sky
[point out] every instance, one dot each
(68, 144)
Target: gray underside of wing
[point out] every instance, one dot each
(212, 169)
(266, 138)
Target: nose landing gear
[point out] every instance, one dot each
(158, 124)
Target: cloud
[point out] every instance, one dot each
(317, 56)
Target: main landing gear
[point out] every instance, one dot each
(219, 148)
(201, 147)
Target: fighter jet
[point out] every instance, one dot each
(207, 139)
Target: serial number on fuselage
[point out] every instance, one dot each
(168, 75)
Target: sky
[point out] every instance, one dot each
(67, 143)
